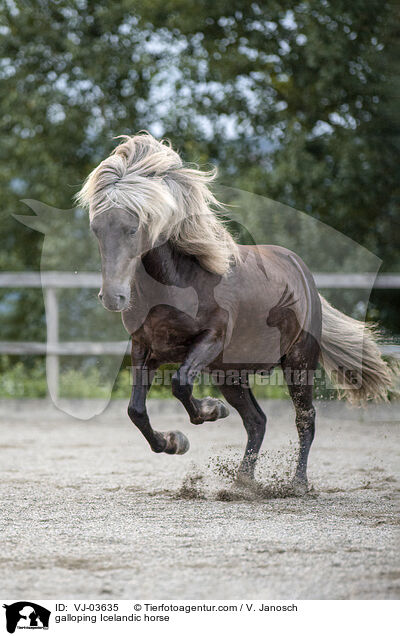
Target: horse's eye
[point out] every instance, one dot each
(132, 232)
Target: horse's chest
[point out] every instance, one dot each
(168, 335)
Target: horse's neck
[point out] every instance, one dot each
(169, 266)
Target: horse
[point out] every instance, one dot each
(189, 294)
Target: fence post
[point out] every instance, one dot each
(52, 362)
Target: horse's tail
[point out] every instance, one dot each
(351, 357)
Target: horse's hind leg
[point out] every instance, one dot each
(254, 420)
(305, 422)
(299, 367)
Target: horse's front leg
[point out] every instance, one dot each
(203, 351)
(143, 370)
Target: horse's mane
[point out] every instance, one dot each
(147, 177)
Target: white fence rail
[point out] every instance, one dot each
(53, 348)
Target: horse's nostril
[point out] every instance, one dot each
(113, 300)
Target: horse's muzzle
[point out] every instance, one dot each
(116, 300)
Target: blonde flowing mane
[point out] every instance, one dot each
(147, 177)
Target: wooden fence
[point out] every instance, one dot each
(53, 348)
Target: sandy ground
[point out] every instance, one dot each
(89, 512)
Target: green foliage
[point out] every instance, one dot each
(296, 101)
(18, 380)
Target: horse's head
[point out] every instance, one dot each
(121, 244)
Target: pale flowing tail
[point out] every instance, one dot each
(352, 359)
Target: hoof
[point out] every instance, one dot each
(177, 443)
(223, 410)
(244, 480)
(300, 487)
(211, 409)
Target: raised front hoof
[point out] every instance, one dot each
(211, 409)
(222, 410)
(177, 443)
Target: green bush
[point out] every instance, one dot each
(17, 380)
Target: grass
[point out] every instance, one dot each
(21, 379)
